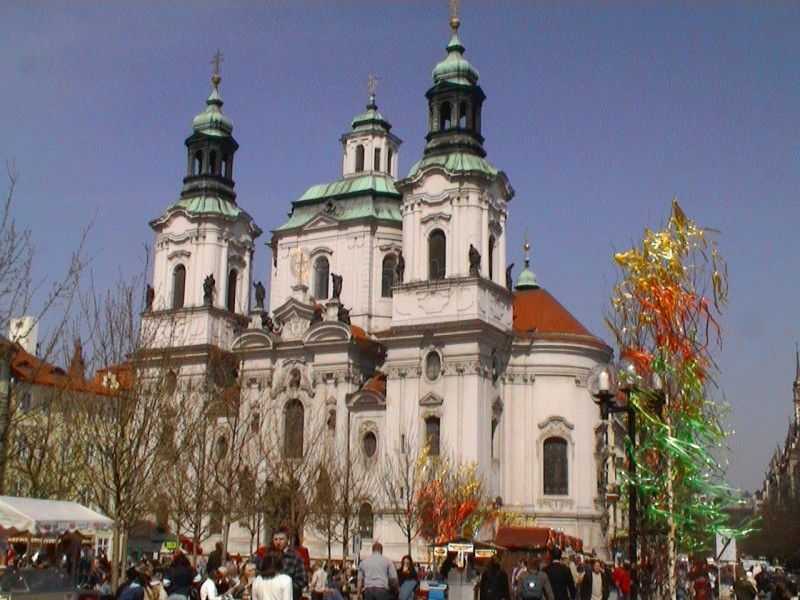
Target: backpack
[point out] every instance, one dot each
(530, 586)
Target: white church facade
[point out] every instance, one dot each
(391, 311)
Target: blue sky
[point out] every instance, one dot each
(600, 114)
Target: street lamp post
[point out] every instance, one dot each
(606, 387)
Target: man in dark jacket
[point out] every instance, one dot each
(494, 582)
(595, 583)
(215, 559)
(560, 577)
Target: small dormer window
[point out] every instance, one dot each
(359, 158)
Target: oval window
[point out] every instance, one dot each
(433, 366)
(370, 444)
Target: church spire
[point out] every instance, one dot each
(211, 148)
(455, 101)
(370, 147)
(527, 278)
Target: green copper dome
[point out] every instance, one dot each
(211, 121)
(527, 279)
(369, 118)
(455, 68)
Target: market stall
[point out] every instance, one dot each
(53, 530)
(459, 564)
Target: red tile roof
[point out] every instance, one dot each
(537, 312)
(528, 538)
(377, 384)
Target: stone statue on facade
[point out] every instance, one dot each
(474, 260)
(337, 285)
(209, 286)
(260, 294)
(509, 280)
(400, 267)
(149, 296)
(344, 315)
(267, 322)
(318, 316)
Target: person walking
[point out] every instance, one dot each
(292, 562)
(178, 577)
(215, 559)
(319, 581)
(560, 577)
(272, 583)
(494, 582)
(533, 583)
(407, 578)
(595, 584)
(376, 576)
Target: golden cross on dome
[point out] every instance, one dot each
(217, 61)
(372, 84)
(454, 22)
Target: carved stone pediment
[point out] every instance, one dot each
(320, 222)
(437, 216)
(252, 338)
(327, 331)
(293, 378)
(431, 399)
(366, 400)
(294, 318)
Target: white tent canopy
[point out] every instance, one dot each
(48, 517)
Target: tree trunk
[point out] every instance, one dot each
(226, 530)
(115, 544)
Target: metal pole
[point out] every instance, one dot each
(633, 515)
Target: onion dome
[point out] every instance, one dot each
(211, 121)
(455, 68)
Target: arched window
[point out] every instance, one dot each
(433, 366)
(178, 286)
(445, 116)
(436, 254)
(221, 447)
(197, 163)
(225, 170)
(462, 115)
(366, 521)
(359, 158)
(388, 275)
(230, 301)
(491, 257)
(369, 443)
(376, 163)
(555, 467)
(293, 424)
(212, 163)
(432, 435)
(26, 403)
(495, 437)
(389, 155)
(321, 278)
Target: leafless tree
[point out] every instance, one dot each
(21, 295)
(401, 480)
(123, 429)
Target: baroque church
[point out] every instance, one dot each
(391, 310)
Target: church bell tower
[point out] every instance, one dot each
(204, 242)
